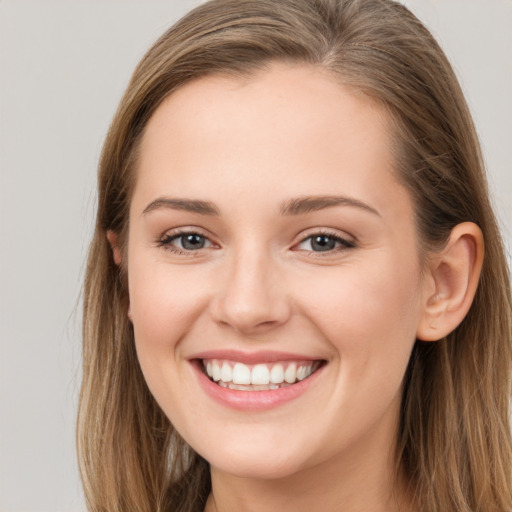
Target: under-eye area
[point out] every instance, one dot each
(258, 377)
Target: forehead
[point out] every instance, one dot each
(301, 100)
(294, 128)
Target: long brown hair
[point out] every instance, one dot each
(454, 441)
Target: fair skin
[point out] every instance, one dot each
(226, 260)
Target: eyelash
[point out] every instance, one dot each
(166, 242)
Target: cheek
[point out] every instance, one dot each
(164, 303)
(164, 307)
(367, 310)
(369, 318)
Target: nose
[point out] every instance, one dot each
(252, 297)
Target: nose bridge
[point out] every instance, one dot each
(251, 298)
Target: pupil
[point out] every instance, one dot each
(322, 243)
(192, 242)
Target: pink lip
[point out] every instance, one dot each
(251, 357)
(252, 400)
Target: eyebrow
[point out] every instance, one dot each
(295, 206)
(188, 205)
(314, 203)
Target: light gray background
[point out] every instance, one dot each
(63, 67)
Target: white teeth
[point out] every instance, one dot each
(304, 371)
(259, 377)
(226, 373)
(277, 374)
(260, 374)
(290, 374)
(240, 387)
(241, 374)
(236, 386)
(215, 371)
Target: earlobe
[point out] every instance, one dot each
(454, 273)
(116, 252)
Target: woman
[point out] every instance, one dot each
(287, 303)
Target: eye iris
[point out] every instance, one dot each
(322, 243)
(191, 242)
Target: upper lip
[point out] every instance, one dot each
(265, 356)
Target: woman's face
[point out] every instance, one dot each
(270, 244)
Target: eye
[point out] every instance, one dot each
(324, 242)
(185, 242)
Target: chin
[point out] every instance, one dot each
(265, 458)
(257, 467)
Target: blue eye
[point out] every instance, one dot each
(185, 242)
(323, 242)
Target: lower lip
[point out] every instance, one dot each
(254, 400)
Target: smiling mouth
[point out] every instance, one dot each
(258, 377)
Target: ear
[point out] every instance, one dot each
(452, 281)
(116, 252)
